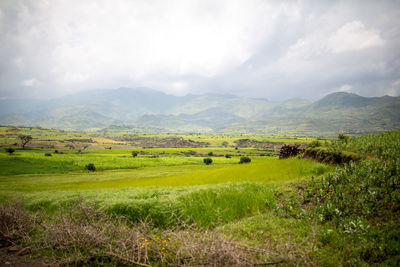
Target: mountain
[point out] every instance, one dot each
(143, 108)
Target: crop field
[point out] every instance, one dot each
(145, 203)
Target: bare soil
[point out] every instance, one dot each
(10, 257)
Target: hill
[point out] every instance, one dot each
(143, 108)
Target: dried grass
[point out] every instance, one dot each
(87, 236)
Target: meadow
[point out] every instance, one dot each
(269, 211)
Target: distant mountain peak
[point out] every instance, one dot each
(342, 99)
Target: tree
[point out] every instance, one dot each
(244, 160)
(10, 150)
(134, 154)
(90, 167)
(207, 161)
(343, 137)
(25, 139)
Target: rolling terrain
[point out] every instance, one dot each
(145, 109)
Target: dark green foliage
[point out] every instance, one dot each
(384, 145)
(90, 167)
(331, 156)
(343, 138)
(365, 190)
(25, 139)
(134, 154)
(10, 150)
(315, 143)
(47, 154)
(207, 161)
(358, 206)
(210, 154)
(244, 160)
(228, 156)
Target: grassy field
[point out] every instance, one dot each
(292, 211)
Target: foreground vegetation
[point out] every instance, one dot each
(164, 206)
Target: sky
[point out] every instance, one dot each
(269, 49)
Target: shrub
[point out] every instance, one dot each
(90, 167)
(315, 143)
(210, 154)
(244, 160)
(134, 154)
(47, 154)
(228, 156)
(291, 150)
(207, 161)
(343, 137)
(10, 150)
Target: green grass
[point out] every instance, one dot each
(262, 169)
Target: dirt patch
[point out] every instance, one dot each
(9, 257)
(257, 144)
(152, 142)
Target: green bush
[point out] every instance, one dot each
(10, 150)
(244, 160)
(90, 167)
(207, 161)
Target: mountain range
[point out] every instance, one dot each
(150, 110)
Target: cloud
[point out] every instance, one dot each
(344, 88)
(354, 36)
(271, 49)
(29, 82)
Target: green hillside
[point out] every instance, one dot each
(145, 109)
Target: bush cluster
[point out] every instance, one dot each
(244, 160)
(90, 167)
(207, 161)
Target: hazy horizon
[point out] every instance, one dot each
(276, 50)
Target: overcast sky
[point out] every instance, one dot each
(270, 49)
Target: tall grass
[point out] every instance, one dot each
(209, 207)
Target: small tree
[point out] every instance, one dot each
(210, 154)
(134, 154)
(25, 139)
(343, 137)
(207, 161)
(10, 150)
(228, 156)
(90, 167)
(244, 160)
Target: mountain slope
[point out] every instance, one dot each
(156, 111)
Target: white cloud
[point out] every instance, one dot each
(29, 82)
(345, 88)
(353, 36)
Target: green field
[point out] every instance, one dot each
(294, 211)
